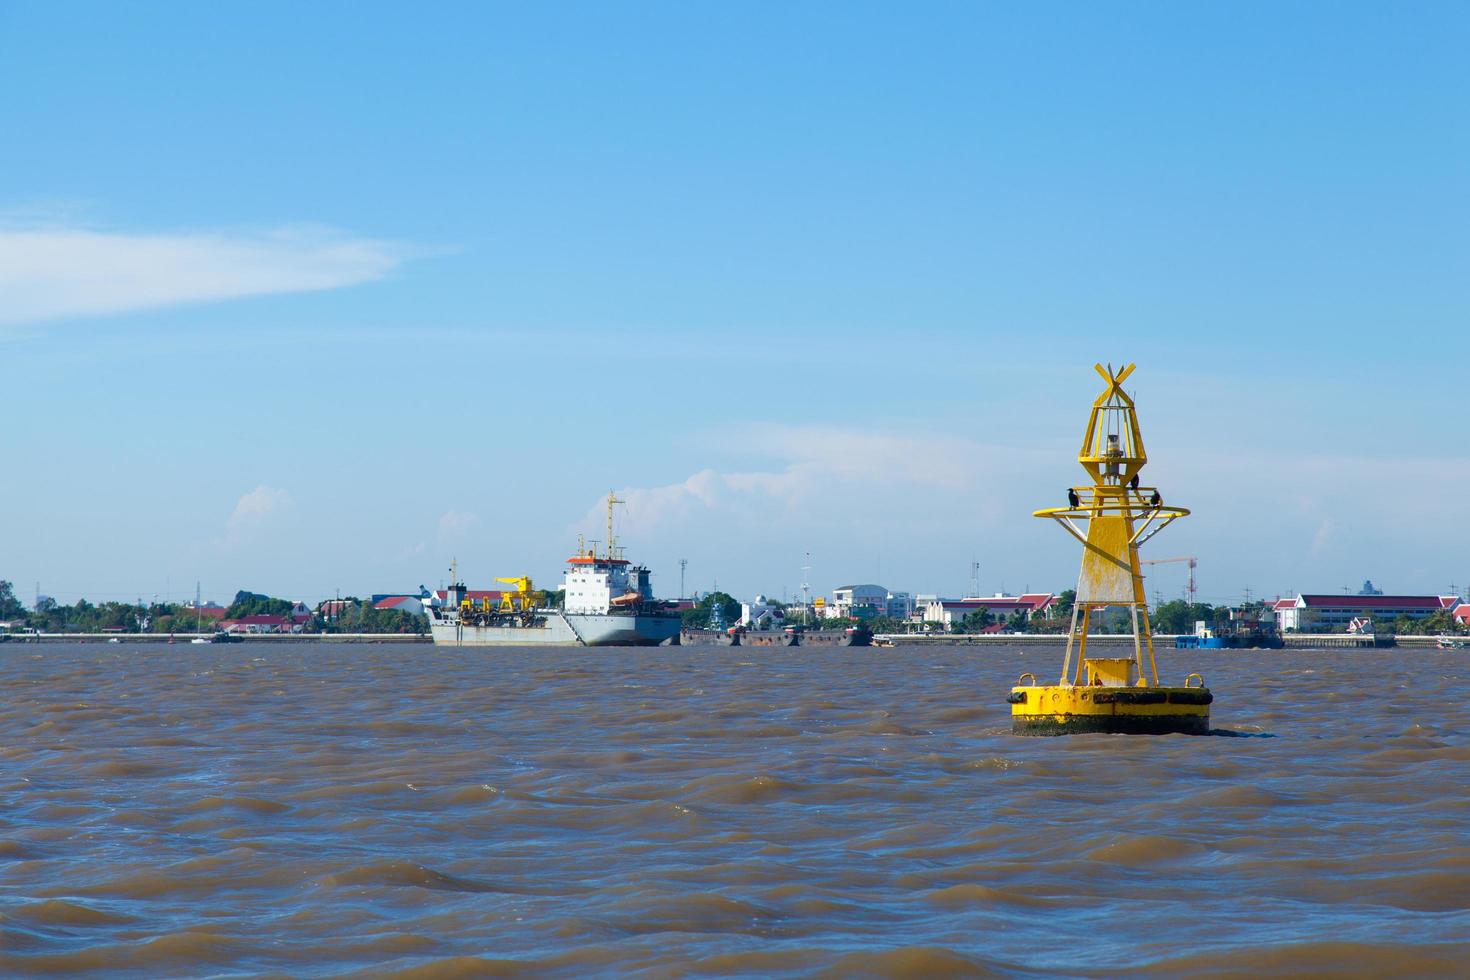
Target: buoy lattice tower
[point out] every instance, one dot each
(1111, 518)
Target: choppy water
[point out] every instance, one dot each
(324, 811)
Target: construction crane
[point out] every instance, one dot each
(522, 599)
(1193, 561)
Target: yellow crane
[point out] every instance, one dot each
(523, 598)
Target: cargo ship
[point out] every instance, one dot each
(607, 601)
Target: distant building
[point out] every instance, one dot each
(760, 614)
(857, 601)
(410, 604)
(1461, 614)
(1308, 613)
(900, 605)
(947, 612)
(262, 623)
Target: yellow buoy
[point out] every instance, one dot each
(1117, 515)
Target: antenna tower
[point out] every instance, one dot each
(806, 588)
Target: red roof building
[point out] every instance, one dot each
(1306, 613)
(262, 623)
(402, 603)
(950, 611)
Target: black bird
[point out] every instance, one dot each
(1155, 499)
(1134, 482)
(1072, 498)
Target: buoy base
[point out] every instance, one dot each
(1067, 710)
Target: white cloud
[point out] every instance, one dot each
(257, 506)
(820, 470)
(256, 512)
(56, 273)
(871, 505)
(926, 503)
(412, 551)
(455, 524)
(1322, 537)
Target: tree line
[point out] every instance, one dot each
(354, 616)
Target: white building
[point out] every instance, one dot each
(1307, 613)
(857, 601)
(759, 614)
(947, 612)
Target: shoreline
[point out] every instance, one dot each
(1162, 642)
(185, 638)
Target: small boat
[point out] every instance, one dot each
(200, 639)
(1451, 643)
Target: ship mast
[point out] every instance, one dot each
(612, 499)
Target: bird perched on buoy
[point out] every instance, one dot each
(1072, 497)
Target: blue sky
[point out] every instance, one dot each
(301, 298)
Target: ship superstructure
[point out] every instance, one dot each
(607, 601)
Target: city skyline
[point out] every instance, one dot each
(296, 303)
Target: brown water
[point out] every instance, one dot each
(254, 809)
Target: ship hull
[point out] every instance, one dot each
(567, 630)
(836, 638)
(769, 638)
(708, 638)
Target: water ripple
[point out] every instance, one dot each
(420, 812)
